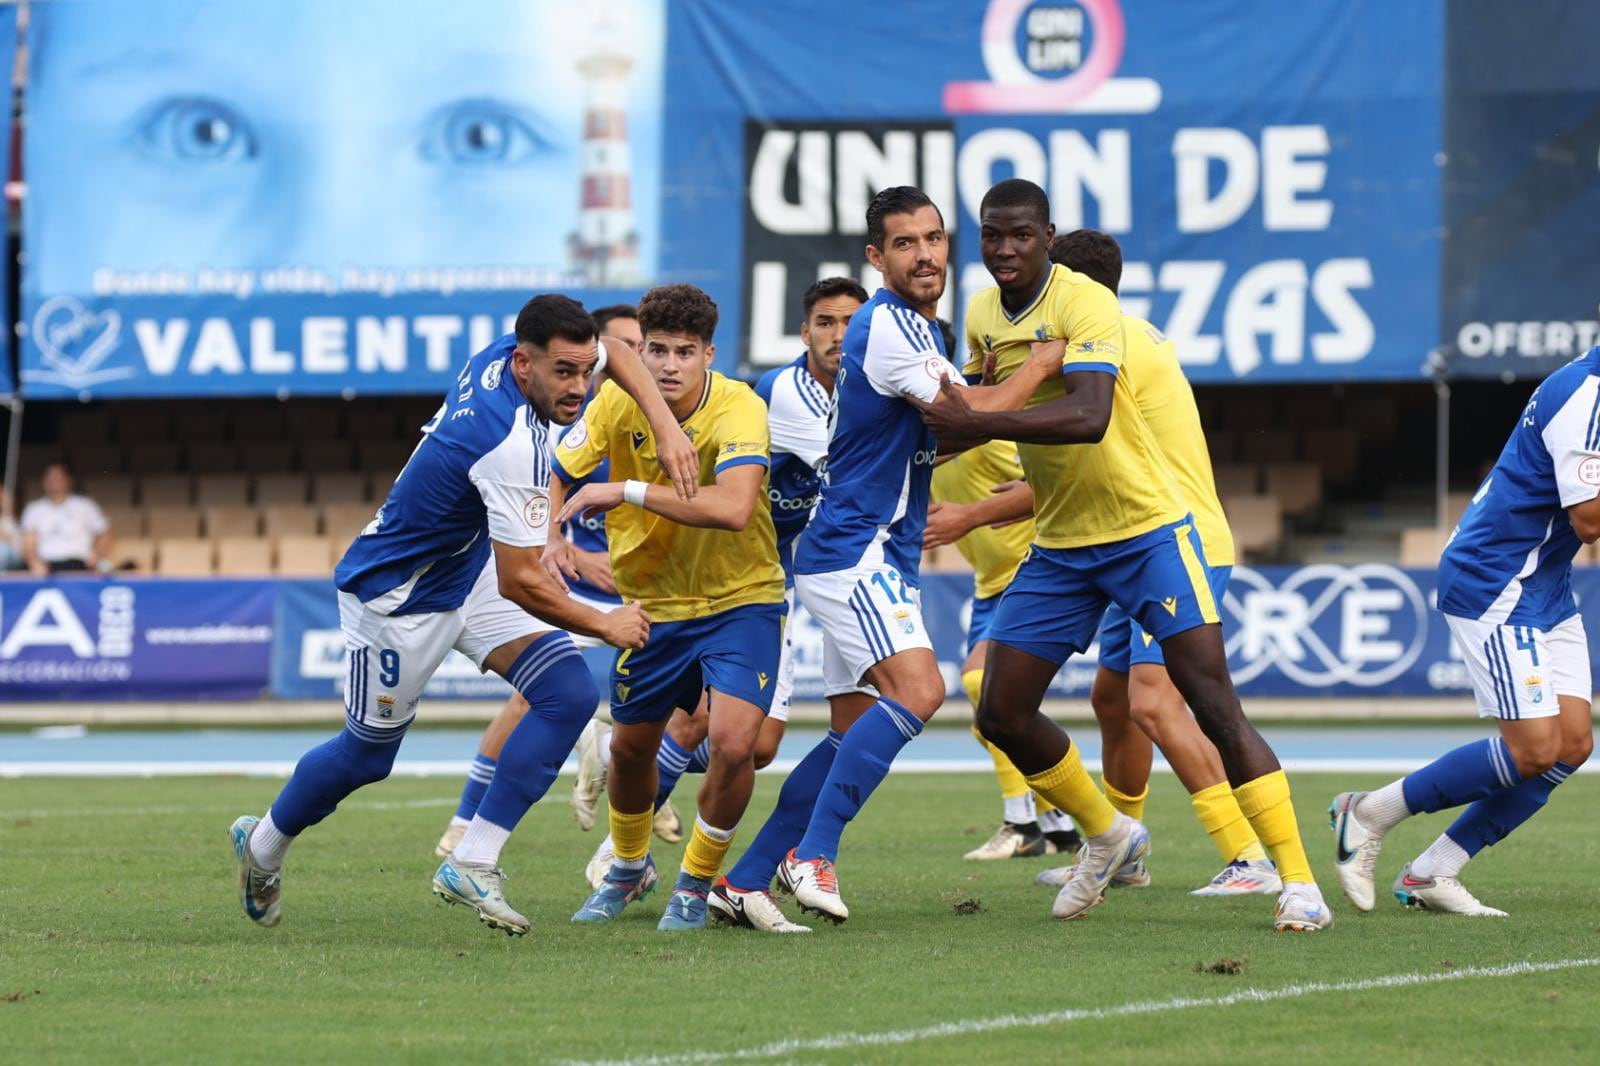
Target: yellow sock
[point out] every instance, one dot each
(1012, 784)
(1221, 817)
(1265, 801)
(1132, 806)
(1068, 785)
(972, 682)
(707, 846)
(630, 834)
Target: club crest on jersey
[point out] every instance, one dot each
(902, 618)
(1042, 333)
(536, 512)
(1535, 686)
(491, 375)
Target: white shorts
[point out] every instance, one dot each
(783, 691)
(867, 613)
(1519, 671)
(392, 657)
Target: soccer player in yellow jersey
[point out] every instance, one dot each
(1112, 527)
(971, 491)
(706, 570)
(1132, 682)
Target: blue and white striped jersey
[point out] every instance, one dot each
(1510, 560)
(481, 473)
(874, 502)
(797, 418)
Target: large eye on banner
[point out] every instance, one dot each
(302, 196)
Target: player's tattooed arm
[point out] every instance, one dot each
(674, 451)
(727, 504)
(525, 582)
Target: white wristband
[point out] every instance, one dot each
(633, 492)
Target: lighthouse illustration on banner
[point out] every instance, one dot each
(605, 249)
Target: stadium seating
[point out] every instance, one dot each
(185, 557)
(244, 557)
(1421, 546)
(1257, 522)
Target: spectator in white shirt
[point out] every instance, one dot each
(63, 531)
(10, 535)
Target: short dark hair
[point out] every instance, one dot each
(1092, 253)
(678, 309)
(895, 200)
(948, 332)
(603, 315)
(552, 315)
(827, 287)
(1017, 192)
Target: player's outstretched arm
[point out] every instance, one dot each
(1043, 363)
(525, 582)
(674, 450)
(1079, 417)
(727, 504)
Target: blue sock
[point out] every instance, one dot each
(561, 697)
(671, 761)
(1491, 820)
(327, 774)
(865, 753)
(478, 779)
(1470, 772)
(787, 823)
(700, 758)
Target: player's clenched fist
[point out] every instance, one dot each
(627, 627)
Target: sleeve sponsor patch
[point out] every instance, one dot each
(1589, 470)
(536, 512)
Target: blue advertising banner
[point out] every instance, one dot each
(8, 56)
(1337, 631)
(1522, 134)
(357, 215)
(1271, 170)
(136, 639)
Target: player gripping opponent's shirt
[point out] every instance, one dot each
(1505, 590)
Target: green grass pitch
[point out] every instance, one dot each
(121, 941)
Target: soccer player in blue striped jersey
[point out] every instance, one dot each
(453, 560)
(856, 567)
(1505, 592)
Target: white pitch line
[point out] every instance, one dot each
(849, 1041)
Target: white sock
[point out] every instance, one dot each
(1020, 810)
(1444, 858)
(1384, 809)
(603, 748)
(457, 820)
(269, 844)
(712, 831)
(481, 843)
(1055, 822)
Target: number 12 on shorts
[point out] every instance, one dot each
(881, 579)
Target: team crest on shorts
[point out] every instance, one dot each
(1535, 686)
(903, 617)
(385, 706)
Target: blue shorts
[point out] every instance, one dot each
(1056, 601)
(982, 617)
(734, 651)
(1124, 643)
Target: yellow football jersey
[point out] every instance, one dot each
(1167, 403)
(1084, 494)
(971, 477)
(677, 571)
